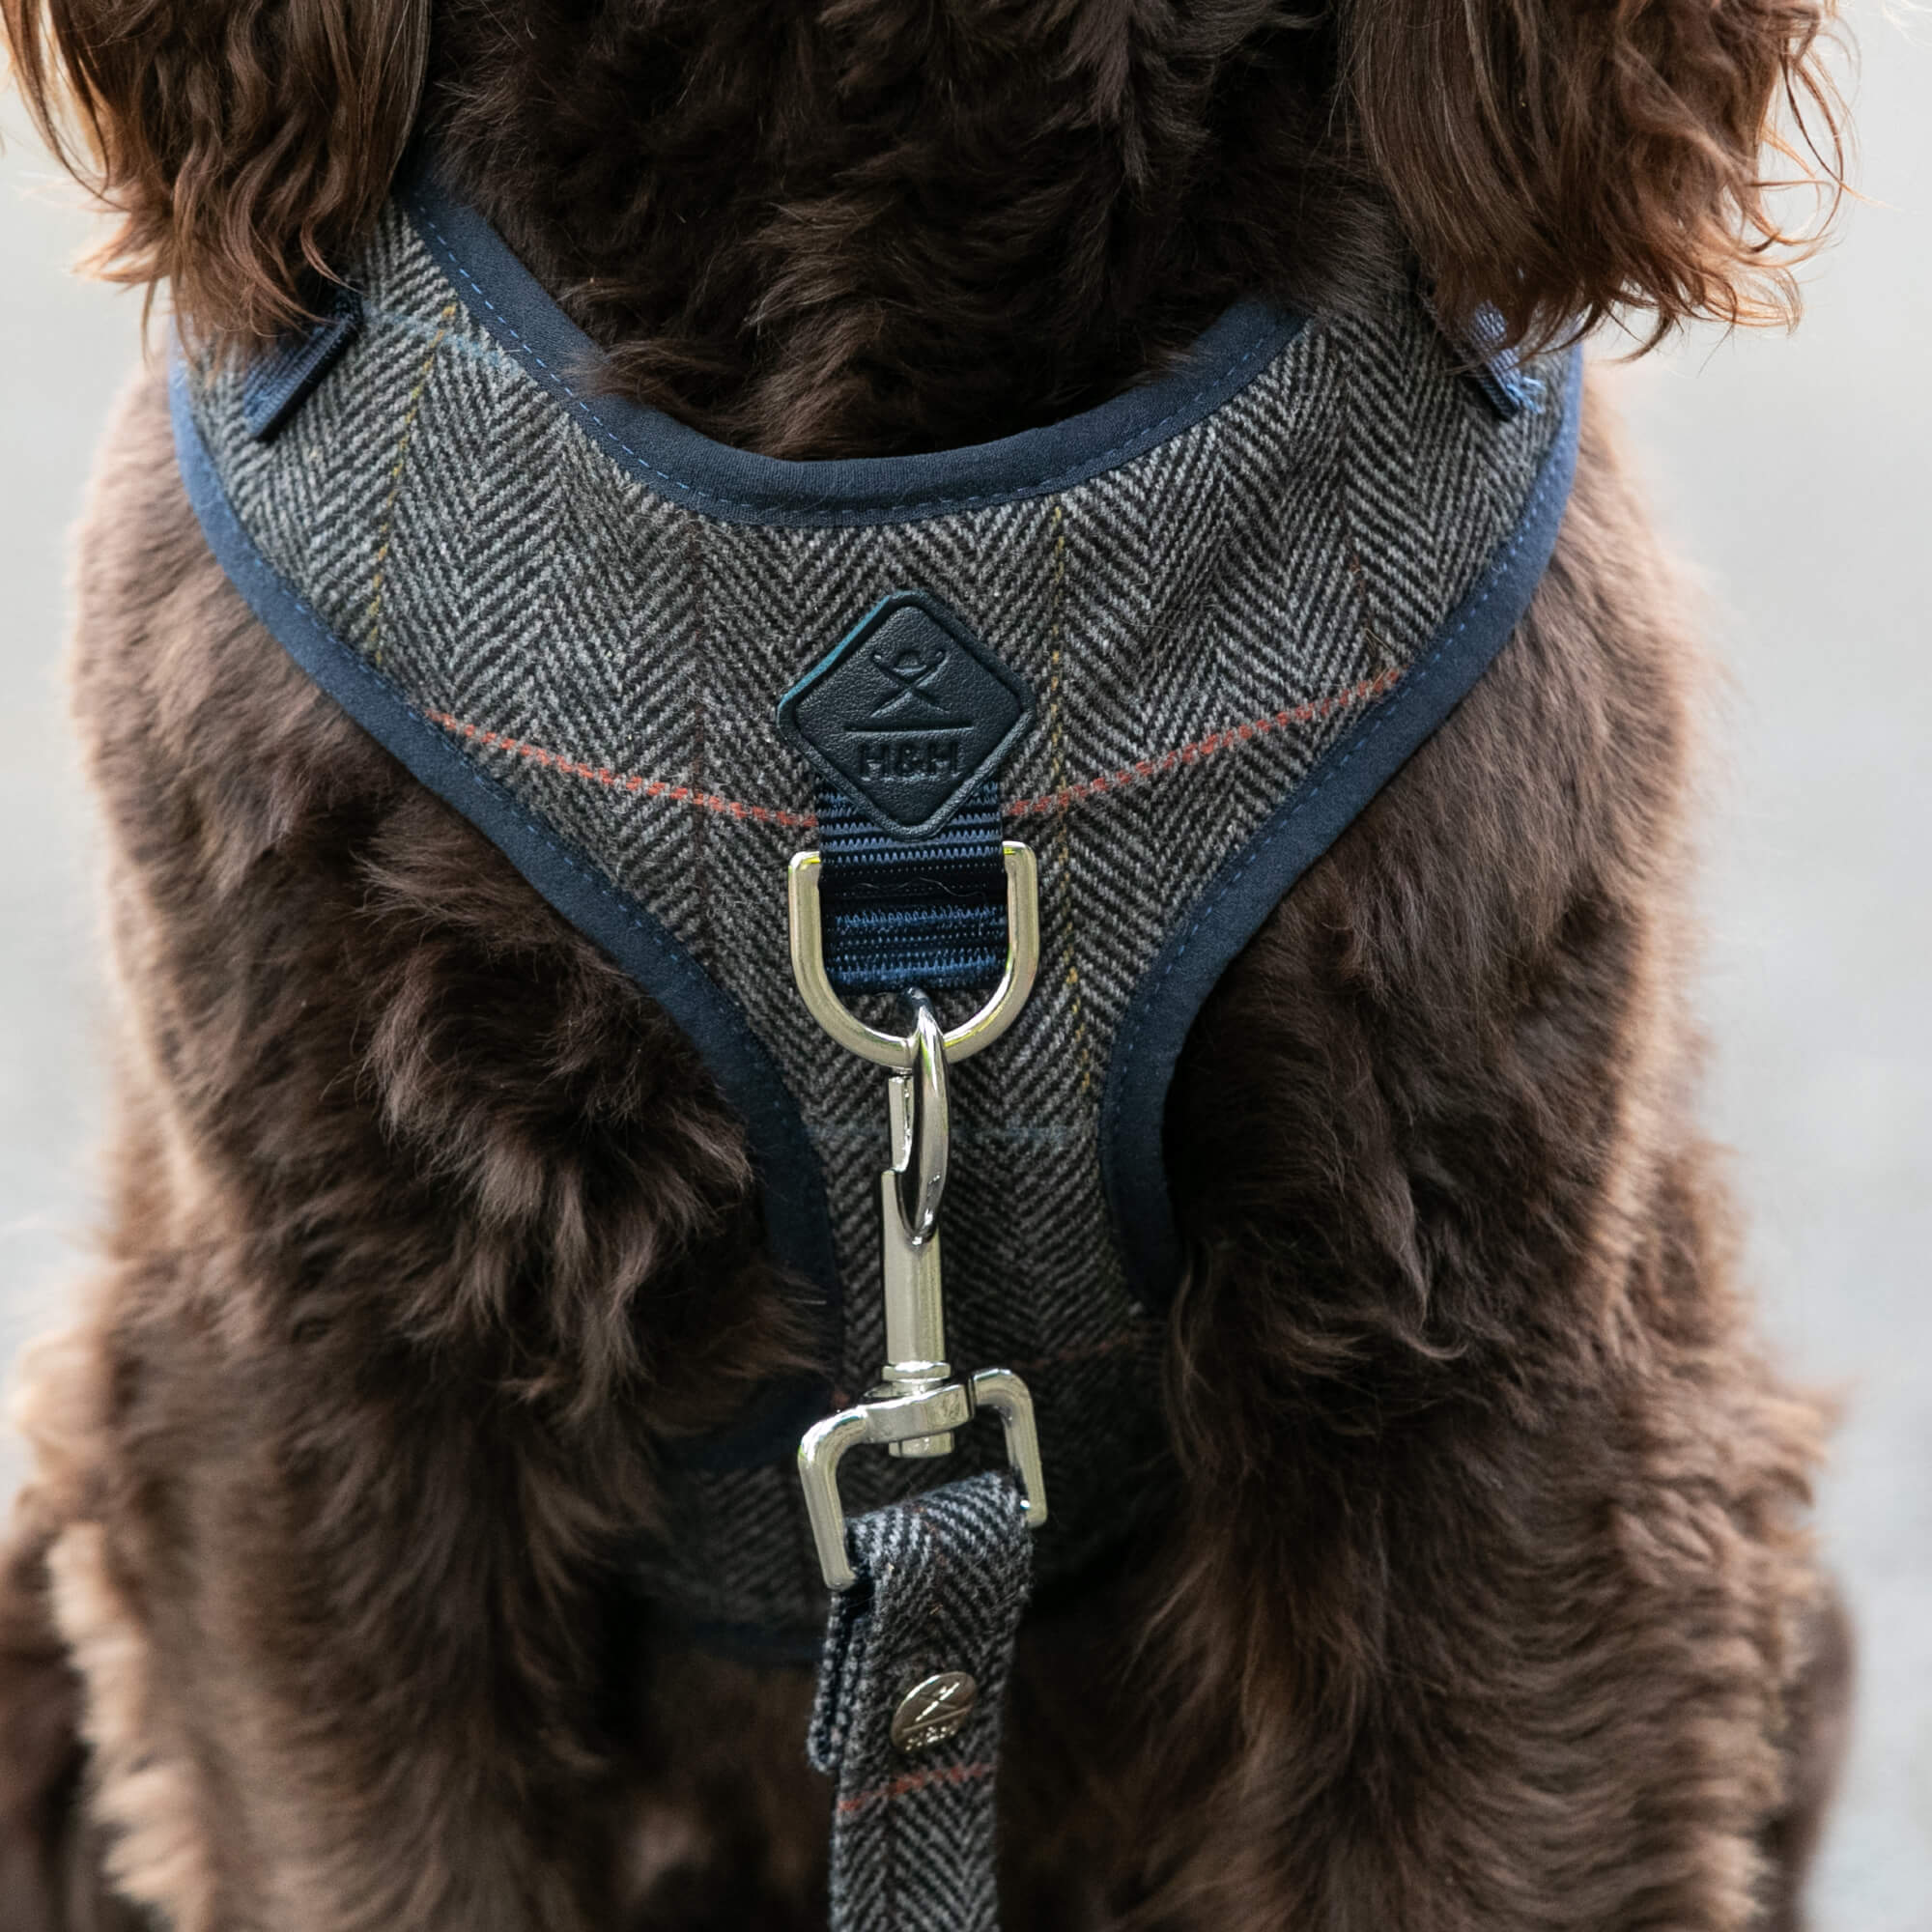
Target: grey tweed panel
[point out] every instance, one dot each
(1200, 625)
(942, 1581)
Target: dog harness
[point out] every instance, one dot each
(997, 756)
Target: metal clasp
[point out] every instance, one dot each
(918, 1404)
(892, 1049)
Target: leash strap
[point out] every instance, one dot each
(907, 1717)
(902, 912)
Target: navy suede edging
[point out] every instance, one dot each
(737, 486)
(793, 1184)
(1254, 879)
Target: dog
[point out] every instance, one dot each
(1482, 1595)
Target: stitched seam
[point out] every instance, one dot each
(918, 1780)
(1417, 677)
(384, 529)
(1099, 785)
(1076, 471)
(1202, 749)
(627, 781)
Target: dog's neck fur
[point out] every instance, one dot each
(829, 231)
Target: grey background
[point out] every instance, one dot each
(1791, 475)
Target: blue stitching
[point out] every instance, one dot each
(1410, 684)
(556, 382)
(414, 326)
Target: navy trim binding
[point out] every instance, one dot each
(737, 487)
(1255, 880)
(1245, 890)
(792, 1185)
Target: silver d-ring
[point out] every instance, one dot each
(898, 1050)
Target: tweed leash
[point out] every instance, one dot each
(908, 1712)
(926, 1592)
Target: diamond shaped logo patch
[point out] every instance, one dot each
(908, 714)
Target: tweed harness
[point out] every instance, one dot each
(1041, 729)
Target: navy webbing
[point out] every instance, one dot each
(282, 379)
(899, 913)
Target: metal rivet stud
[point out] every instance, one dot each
(935, 1709)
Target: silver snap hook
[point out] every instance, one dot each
(919, 1125)
(917, 1404)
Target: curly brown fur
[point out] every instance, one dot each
(1607, 157)
(1462, 1388)
(40, 1699)
(783, 218)
(1489, 1602)
(244, 148)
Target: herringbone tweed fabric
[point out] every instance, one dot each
(942, 1581)
(1199, 625)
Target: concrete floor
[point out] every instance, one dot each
(1792, 474)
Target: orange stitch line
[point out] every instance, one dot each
(916, 1781)
(1098, 785)
(1200, 751)
(632, 781)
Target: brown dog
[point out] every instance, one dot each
(1486, 1602)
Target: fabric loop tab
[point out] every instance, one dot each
(900, 913)
(942, 1581)
(286, 375)
(1491, 368)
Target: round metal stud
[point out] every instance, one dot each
(935, 1709)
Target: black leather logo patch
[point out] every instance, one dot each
(907, 714)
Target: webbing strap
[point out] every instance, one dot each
(900, 913)
(281, 379)
(921, 1644)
